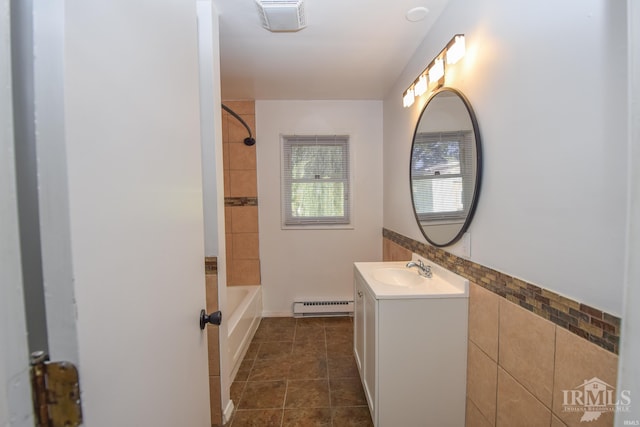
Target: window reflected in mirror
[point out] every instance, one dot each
(445, 164)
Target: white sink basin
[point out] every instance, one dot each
(395, 276)
(393, 280)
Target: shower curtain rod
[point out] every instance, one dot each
(250, 140)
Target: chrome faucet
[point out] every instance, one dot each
(423, 270)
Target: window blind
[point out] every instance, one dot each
(442, 168)
(315, 180)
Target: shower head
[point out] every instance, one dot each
(248, 141)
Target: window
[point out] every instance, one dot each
(315, 180)
(439, 162)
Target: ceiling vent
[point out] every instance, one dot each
(282, 15)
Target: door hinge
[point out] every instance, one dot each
(56, 392)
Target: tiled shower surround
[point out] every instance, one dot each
(240, 196)
(528, 347)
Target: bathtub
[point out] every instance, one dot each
(244, 303)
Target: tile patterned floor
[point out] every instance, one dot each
(300, 372)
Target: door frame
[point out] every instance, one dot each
(15, 385)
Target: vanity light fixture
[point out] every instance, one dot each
(455, 50)
(408, 97)
(436, 70)
(420, 86)
(433, 76)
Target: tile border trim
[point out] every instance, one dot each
(241, 201)
(210, 265)
(596, 326)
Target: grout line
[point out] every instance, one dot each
(526, 389)
(553, 378)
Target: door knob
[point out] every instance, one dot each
(214, 318)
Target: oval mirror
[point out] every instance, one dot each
(445, 167)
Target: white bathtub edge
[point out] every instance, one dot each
(244, 346)
(228, 412)
(243, 324)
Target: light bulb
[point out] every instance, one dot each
(421, 85)
(408, 98)
(456, 51)
(436, 72)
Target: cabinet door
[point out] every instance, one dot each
(370, 338)
(358, 323)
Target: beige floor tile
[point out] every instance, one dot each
(343, 367)
(352, 417)
(305, 322)
(307, 417)
(274, 350)
(244, 369)
(309, 367)
(309, 333)
(237, 387)
(257, 418)
(309, 397)
(270, 369)
(347, 392)
(307, 394)
(263, 395)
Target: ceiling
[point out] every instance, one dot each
(350, 49)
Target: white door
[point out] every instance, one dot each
(135, 206)
(130, 165)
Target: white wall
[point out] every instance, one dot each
(547, 83)
(210, 122)
(317, 264)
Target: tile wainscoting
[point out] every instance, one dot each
(528, 348)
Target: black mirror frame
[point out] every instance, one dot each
(476, 187)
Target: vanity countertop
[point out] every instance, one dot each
(393, 280)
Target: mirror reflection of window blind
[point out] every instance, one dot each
(442, 174)
(315, 180)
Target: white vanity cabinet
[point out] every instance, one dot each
(364, 338)
(411, 351)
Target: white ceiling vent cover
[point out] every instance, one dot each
(282, 15)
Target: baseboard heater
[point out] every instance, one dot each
(322, 308)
